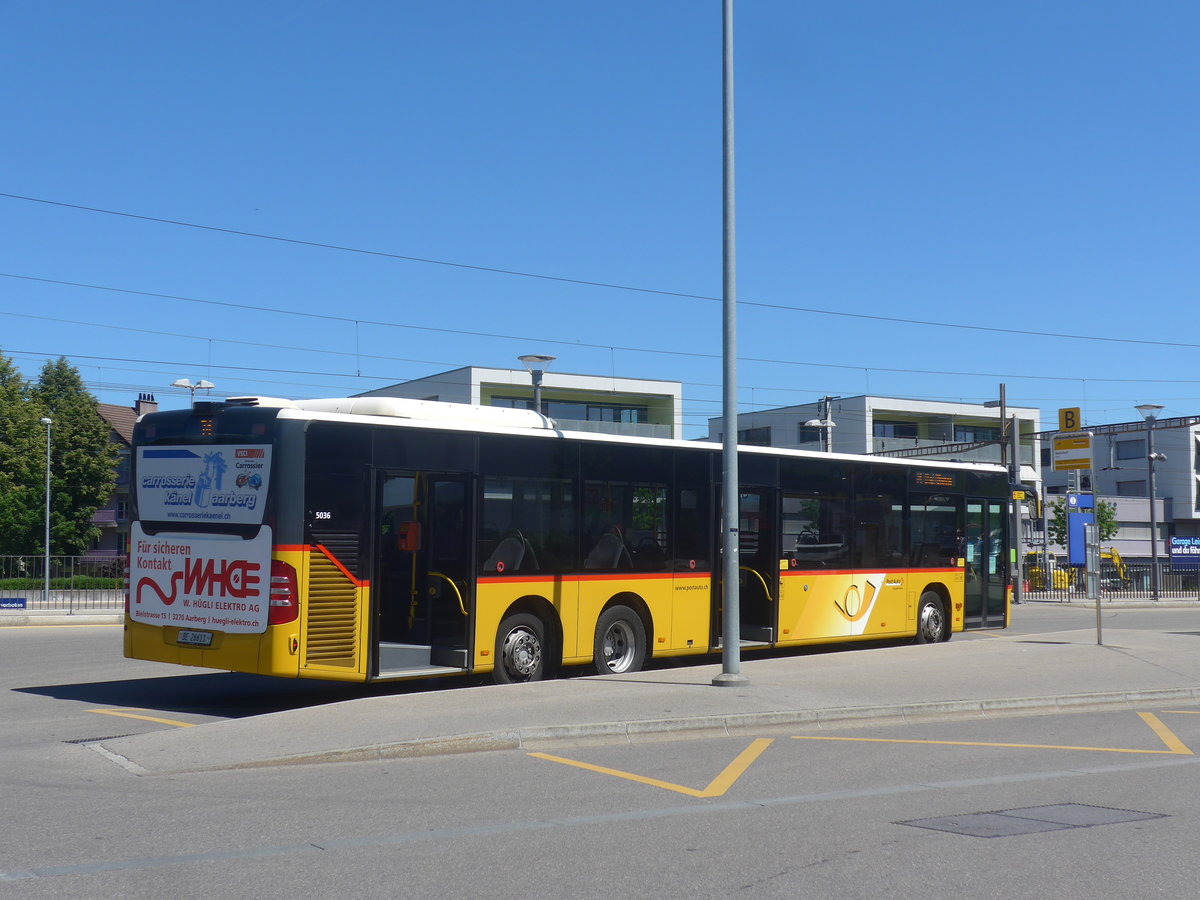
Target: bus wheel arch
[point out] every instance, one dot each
(933, 615)
(527, 642)
(622, 640)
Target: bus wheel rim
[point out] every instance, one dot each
(931, 621)
(522, 652)
(618, 646)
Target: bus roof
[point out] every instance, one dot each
(495, 419)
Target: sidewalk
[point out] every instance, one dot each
(986, 675)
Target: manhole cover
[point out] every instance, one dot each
(1031, 819)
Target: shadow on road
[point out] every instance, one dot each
(227, 694)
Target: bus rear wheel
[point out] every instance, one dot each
(520, 650)
(931, 620)
(620, 644)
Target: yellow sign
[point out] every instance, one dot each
(1073, 451)
(1069, 419)
(1018, 495)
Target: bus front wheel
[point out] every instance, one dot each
(520, 650)
(931, 619)
(620, 641)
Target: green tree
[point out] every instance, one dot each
(84, 460)
(1106, 519)
(22, 465)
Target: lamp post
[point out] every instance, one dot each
(46, 561)
(824, 422)
(201, 385)
(537, 364)
(1150, 411)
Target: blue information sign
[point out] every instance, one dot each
(1079, 514)
(12, 602)
(1185, 553)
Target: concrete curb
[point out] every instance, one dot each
(645, 731)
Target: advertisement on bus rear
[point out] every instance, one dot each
(222, 484)
(216, 582)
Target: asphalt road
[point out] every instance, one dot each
(859, 813)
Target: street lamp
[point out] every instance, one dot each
(46, 561)
(537, 364)
(201, 385)
(1149, 411)
(824, 422)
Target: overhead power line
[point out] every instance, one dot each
(512, 337)
(341, 248)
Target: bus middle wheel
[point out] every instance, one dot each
(520, 650)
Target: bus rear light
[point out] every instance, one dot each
(283, 606)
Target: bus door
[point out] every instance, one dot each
(985, 552)
(758, 567)
(422, 597)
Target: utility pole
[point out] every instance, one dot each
(731, 630)
(1014, 478)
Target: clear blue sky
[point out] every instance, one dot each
(1029, 166)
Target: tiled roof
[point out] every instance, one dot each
(120, 419)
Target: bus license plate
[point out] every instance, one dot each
(196, 638)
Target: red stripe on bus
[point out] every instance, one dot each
(333, 559)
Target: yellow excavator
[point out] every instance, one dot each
(1063, 577)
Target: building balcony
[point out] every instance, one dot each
(629, 429)
(975, 452)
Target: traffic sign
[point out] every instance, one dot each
(1072, 451)
(1069, 420)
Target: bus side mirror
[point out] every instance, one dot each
(408, 537)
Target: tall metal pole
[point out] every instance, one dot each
(46, 561)
(1150, 411)
(1154, 586)
(1014, 477)
(731, 633)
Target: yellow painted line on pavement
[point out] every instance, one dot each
(1183, 712)
(129, 715)
(1176, 746)
(1165, 734)
(716, 788)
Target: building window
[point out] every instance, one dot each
(582, 410)
(755, 437)
(894, 429)
(967, 433)
(1131, 449)
(1046, 461)
(809, 434)
(1132, 488)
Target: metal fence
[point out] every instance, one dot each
(1135, 583)
(77, 583)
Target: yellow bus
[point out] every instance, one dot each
(371, 539)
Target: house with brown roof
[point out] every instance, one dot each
(113, 518)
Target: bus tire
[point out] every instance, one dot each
(521, 650)
(620, 644)
(932, 626)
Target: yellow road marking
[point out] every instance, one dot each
(1165, 734)
(1183, 712)
(129, 715)
(1176, 746)
(717, 787)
